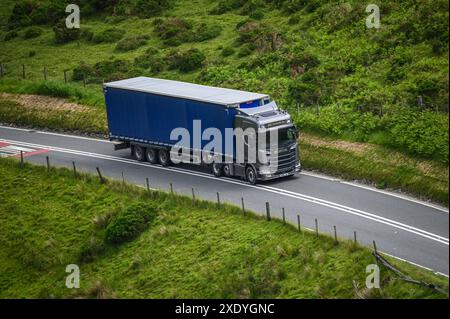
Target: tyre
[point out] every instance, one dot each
(226, 170)
(152, 155)
(164, 158)
(250, 175)
(216, 169)
(139, 153)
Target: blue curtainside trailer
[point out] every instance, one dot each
(143, 112)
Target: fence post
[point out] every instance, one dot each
(193, 196)
(171, 188)
(375, 251)
(354, 238)
(74, 169)
(21, 158)
(148, 184)
(100, 175)
(218, 200)
(123, 179)
(335, 235)
(284, 215)
(45, 73)
(299, 224)
(243, 206)
(268, 211)
(23, 71)
(65, 76)
(48, 162)
(317, 227)
(1, 69)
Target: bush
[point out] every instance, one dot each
(29, 12)
(246, 50)
(174, 31)
(151, 60)
(130, 222)
(32, 32)
(63, 34)
(226, 5)
(205, 32)
(185, 61)
(10, 35)
(32, 53)
(227, 51)
(150, 8)
(87, 34)
(110, 35)
(259, 35)
(131, 43)
(107, 70)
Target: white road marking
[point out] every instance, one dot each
(282, 192)
(329, 178)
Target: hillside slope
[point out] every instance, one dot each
(130, 243)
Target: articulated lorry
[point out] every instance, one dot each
(149, 115)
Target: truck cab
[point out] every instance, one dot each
(276, 158)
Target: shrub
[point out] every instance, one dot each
(259, 35)
(29, 12)
(185, 61)
(131, 43)
(32, 53)
(151, 60)
(10, 35)
(110, 35)
(130, 222)
(32, 32)
(63, 34)
(174, 31)
(205, 32)
(150, 8)
(227, 51)
(246, 50)
(227, 5)
(87, 34)
(107, 70)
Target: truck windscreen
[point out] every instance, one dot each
(285, 136)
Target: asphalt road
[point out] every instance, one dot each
(403, 227)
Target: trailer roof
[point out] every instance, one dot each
(186, 90)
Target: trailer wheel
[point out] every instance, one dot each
(226, 170)
(250, 175)
(164, 158)
(139, 153)
(217, 169)
(152, 155)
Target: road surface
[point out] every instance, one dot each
(402, 227)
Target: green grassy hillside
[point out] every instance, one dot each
(130, 243)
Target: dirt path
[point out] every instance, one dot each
(44, 102)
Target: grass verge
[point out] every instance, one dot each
(188, 250)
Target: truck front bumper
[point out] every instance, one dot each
(269, 176)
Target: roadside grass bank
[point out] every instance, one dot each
(377, 165)
(49, 219)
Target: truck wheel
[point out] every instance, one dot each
(226, 170)
(164, 158)
(152, 155)
(217, 169)
(250, 175)
(139, 153)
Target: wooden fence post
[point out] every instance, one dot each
(375, 251)
(317, 227)
(1, 70)
(148, 184)
(171, 188)
(193, 196)
(74, 169)
(21, 158)
(354, 238)
(243, 205)
(100, 175)
(123, 179)
(23, 71)
(48, 162)
(268, 211)
(335, 235)
(218, 200)
(299, 224)
(284, 215)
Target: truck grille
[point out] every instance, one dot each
(286, 161)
